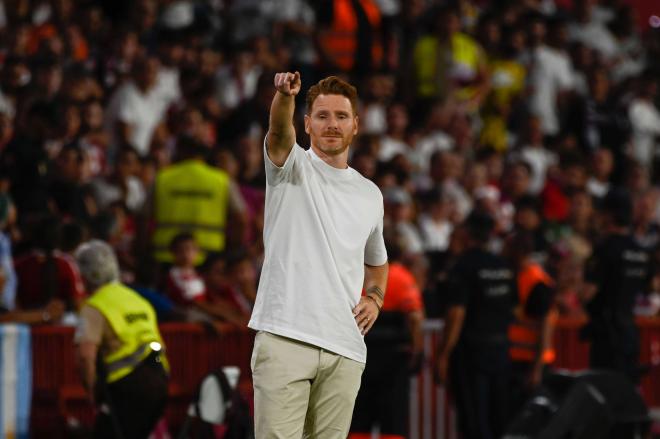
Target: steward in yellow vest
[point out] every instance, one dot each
(191, 196)
(121, 352)
(133, 320)
(450, 64)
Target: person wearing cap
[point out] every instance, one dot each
(119, 332)
(618, 271)
(473, 353)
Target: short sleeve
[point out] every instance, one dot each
(90, 326)
(457, 293)
(276, 174)
(374, 252)
(565, 75)
(539, 301)
(126, 111)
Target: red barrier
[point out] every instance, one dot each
(193, 352)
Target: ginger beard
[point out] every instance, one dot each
(331, 124)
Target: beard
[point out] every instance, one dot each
(334, 145)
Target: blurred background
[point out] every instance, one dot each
(529, 110)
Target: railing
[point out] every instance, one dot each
(433, 417)
(193, 352)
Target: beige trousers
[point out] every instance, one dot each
(300, 390)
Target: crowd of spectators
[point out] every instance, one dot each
(521, 108)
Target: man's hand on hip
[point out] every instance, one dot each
(365, 312)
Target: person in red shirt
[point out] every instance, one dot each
(395, 346)
(45, 274)
(184, 285)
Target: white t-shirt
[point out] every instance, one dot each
(436, 234)
(322, 224)
(390, 147)
(595, 36)
(552, 73)
(540, 159)
(142, 111)
(645, 120)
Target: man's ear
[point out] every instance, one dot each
(308, 121)
(355, 130)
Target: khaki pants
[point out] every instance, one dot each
(301, 390)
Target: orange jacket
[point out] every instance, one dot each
(339, 41)
(525, 332)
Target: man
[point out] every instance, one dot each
(396, 351)
(449, 64)
(119, 326)
(473, 351)
(323, 243)
(618, 271)
(191, 196)
(137, 109)
(530, 334)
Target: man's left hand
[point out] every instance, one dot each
(366, 313)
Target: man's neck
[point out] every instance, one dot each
(339, 161)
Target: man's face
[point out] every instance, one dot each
(331, 124)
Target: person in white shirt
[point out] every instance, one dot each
(533, 151)
(550, 76)
(645, 120)
(138, 108)
(602, 166)
(323, 242)
(592, 32)
(394, 141)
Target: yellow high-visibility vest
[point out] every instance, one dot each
(466, 55)
(134, 321)
(190, 196)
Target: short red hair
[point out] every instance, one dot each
(332, 85)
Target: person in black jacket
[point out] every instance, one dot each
(618, 271)
(474, 350)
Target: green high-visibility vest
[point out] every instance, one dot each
(134, 321)
(193, 197)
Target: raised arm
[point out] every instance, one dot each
(281, 134)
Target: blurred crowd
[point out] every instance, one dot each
(522, 108)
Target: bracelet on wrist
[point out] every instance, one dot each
(376, 291)
(379, 305)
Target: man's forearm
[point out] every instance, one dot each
(452, 330)
(281, 134)
(89, 375)
(87, 359)
(545, 337)
(415, 325)
(375, 282)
